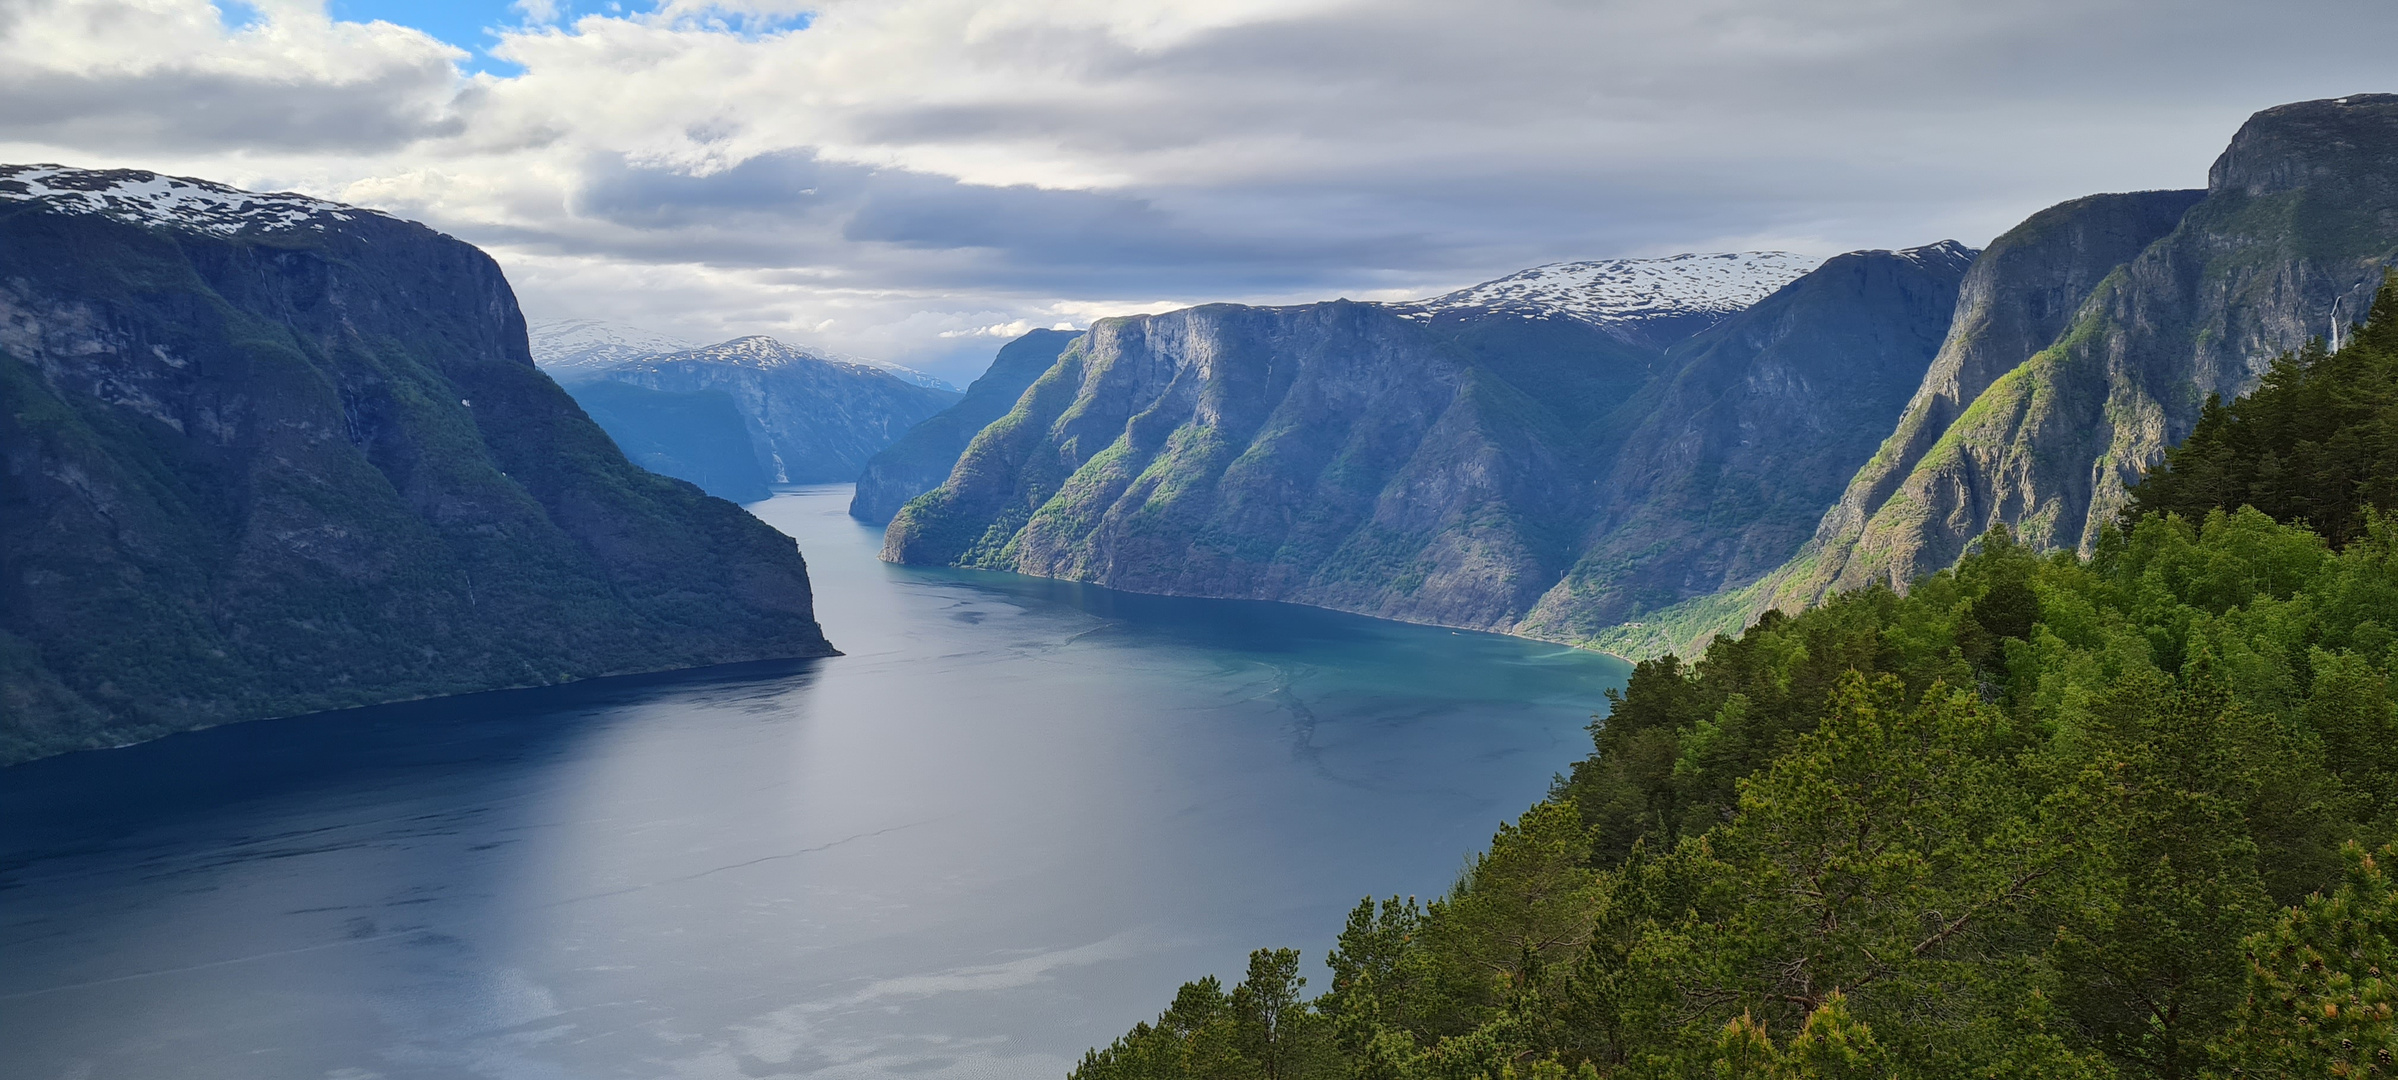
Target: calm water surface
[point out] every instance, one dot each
(1003, 827)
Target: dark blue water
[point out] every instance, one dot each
(1002, 828)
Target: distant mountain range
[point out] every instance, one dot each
(264, 455)
(807, 418)
(568, 347)
(922, 458)
(578, 348)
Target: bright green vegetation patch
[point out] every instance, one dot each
(1673, 629)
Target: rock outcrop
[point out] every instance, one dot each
(264, 455)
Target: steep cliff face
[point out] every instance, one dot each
(2299, 217)
(922, 457)
(1333, 454)
(1753, 431)
(1438, 463)
(2020, 295)
(814, 420)
(262, 455)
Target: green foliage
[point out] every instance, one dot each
(1262, 1030)
(2320, 992)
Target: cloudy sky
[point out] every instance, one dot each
(918, 179)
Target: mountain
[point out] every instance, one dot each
(570, 349)
(1653, 302)
(2088, 340)
(697, 436)
(577, 348)
(922, 458)
(812, 419)
(264, 455)
(1763, 417)
(1434, 462)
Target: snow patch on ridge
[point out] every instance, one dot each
(566, 345)
(142, 197)
(1630, 290)
(578, 346)
(765, 353)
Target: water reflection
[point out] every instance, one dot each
(999, 829)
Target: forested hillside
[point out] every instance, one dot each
(2041, 816)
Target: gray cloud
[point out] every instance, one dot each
(184, 111)
(122, 76)
(912, 168)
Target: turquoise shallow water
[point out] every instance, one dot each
(1004, 826)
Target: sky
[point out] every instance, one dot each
(920, 180)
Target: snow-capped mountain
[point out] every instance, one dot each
(901, 372)
(569, 346)
(764, 353)
(755, 351)
(576, 348)
(142, 197)
(1625, 293)
(816, 420)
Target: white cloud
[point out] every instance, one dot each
(907, 174)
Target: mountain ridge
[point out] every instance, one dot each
(1425, 466)
(812, 420)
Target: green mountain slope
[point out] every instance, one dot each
(2316, 443)
(261, 455)
(922, 458)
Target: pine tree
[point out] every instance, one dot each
(2322, 989)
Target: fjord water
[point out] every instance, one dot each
(1000, 829)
